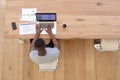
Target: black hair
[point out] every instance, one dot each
(39, 43)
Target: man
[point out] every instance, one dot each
(40, 53)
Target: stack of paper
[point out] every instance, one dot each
(27, 28)
(28, 14)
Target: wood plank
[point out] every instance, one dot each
(117, 65)
(90, 60)
(93, 7)
(2, 24)
(60, 71)
(101, 24)
(106, 64)
(27, 64)
(1, 58)
(77, 61)
(74, 60)
(91, 27)
(12, 60)
(1, 41)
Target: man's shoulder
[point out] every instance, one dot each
(33, 52)
(48, 48)
(52, 50)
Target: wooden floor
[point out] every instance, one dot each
(78, 60)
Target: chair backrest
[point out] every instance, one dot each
(48, 66)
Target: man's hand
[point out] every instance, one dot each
(55, 42)
(49, 31)
(38, 29)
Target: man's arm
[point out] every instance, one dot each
(55, 42)
(38, 31)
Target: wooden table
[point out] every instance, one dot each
(84, 19)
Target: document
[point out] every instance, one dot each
(27, 28)
(28, 14)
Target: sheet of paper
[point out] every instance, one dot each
(27, 28)
(28, 14)
(54, 29)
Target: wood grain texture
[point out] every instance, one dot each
(84, 19)
(75, 60)
(78, 60)
(12, 60)
(2, 3)
(27, 65)
(90, 60)
(1, 40)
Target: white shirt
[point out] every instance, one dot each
(52, 54)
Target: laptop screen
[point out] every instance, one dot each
(46, 16)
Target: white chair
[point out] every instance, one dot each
(48, 66)
(106, 44)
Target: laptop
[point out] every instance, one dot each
(45, 19)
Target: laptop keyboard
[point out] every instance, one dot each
(45, 25)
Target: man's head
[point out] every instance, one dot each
(39, 43)
(40, 46)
